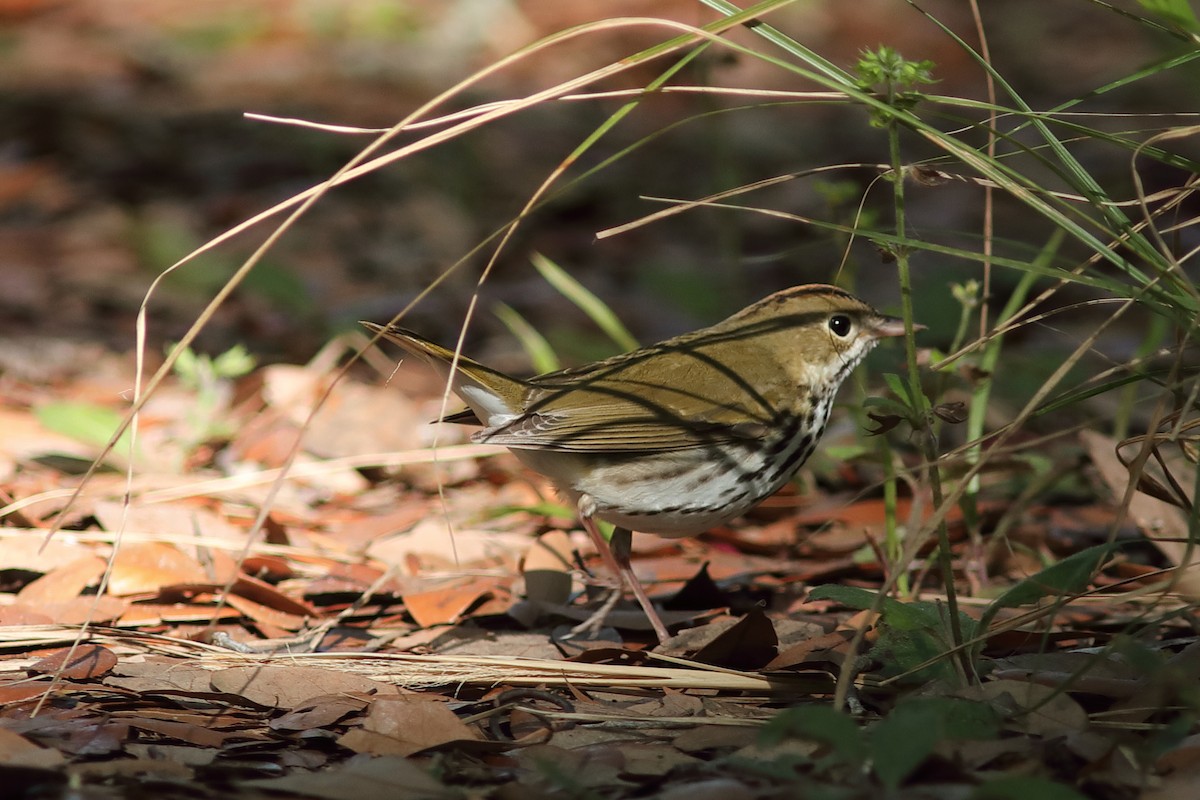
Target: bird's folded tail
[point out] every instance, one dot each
(494, 397)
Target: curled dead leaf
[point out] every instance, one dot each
(954, 412)
(885, 422)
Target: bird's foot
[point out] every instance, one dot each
(592, 625)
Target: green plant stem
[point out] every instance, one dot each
(893, 547)
(1155, 335)
(981, 392)
(920, 403)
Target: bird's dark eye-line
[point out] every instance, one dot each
(840, 325)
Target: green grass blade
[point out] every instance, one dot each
(587, 302)
(540, 353)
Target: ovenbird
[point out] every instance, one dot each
(682, 435)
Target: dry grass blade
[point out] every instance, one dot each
(422, 671)
(1170, 466)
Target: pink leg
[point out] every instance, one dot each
(622, 546)
(616, 558)
(601, 545)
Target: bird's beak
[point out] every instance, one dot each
(883, 327)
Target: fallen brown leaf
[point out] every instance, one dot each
(86, 661)
(655, 760)
(405, 725)
(1032, 708)
(319, 712)
(288, 687)
(748, 644)
(161, 674)
(448, 604)
(146, 567)
(264, 593)
(393, 777)
(17, 751)
(93, 609)
(63, 583)
(829, 648)
(180, 731)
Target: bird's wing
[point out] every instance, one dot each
(642, 406)
(615, 430)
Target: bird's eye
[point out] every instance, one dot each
(840, 324)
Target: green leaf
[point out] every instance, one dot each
(902, 651)
(912, 616)
(1025, 788)
(1177, 12)
(1068, 577)
(910, 634)
(903, 739)
(587, 302)
(937, 358)
(896, 384)
(846, 452)
(819, 724)
(955, 717)
(187, 364)
(905, 616)
(966, 719)
(233, 363)
(543, 509)
(1079, 394)
(84, 422)
(849, 596)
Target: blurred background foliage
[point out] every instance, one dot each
(123, 147)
